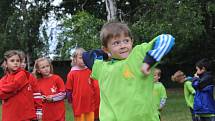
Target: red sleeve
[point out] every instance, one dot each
(36, 94)
(60, 84)
(70, 81)
(10, 84)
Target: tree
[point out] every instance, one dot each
(111, 10)
(80, 30)
(21, 26)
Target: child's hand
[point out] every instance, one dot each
(49, 99)
(43, 97)
(196, 75)
(145, 69)
(39, 117)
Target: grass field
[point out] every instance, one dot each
(175, 109)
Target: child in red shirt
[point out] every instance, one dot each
(79, 89)
(15, 90)
(53, 90)
(34, 86)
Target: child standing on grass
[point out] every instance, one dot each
(204, 103)
(159, 91)
(125, 92)
(189, 91)
(79, 91)
(53, 91)
(15, 90)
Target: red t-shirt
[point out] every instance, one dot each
(97, 97)
(52, 111)
(17, 97)
(82, 93)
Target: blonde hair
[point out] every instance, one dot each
(78, 51)
(36, 67)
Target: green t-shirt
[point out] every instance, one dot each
(159, 93)
(189, 92)
(125, 92)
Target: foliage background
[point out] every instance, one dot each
(191, 22)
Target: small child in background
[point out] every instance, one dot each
(159, 91)
(203, 83)
(79, 91)
(189, 91)
(53, 90)
(15, 90)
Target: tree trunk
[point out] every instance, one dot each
(111, 9)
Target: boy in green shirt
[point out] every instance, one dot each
(159, 91)
(125, 92)
(189, 91)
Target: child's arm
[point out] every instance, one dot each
(90, 56)
(38, 98)
(189, 86)
(69, 95)
(162, 103)
(69, 86)
(163, 97)
(13, 85)
(38, 104)
(162, 45)
(200, 83)
(61, 91)
(56, 97)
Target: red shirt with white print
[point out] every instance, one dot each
(82, 95)
(17, 97)
(54, 87)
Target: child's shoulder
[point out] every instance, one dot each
(159, 84)
(55, 76)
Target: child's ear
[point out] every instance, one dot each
(105, 49)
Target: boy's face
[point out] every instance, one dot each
(200, 71)
(120, 47)
(156, 77)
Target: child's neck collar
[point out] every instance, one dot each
(77, 68)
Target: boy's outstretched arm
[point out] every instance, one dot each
(90, 56)
(162, 45)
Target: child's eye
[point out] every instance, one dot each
(126, 41)
(116, 43)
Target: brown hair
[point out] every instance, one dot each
(78, 51)
(9, 54)
(113, 29)
(36, 67)
(22, 54)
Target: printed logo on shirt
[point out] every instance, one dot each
(29, 87)
(127, 73)
(54, 89)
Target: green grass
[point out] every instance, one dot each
(175, 109)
